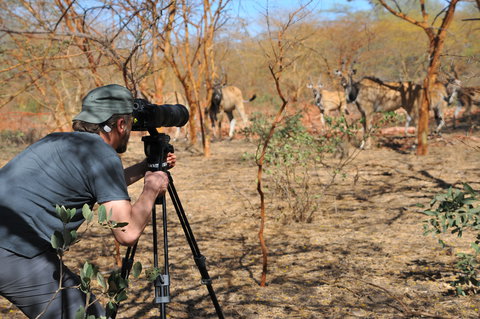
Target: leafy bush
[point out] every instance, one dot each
(391, 118)
(291, 156)
(19, 137)
(115, 287)
(457, 212)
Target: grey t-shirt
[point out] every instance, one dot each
(68, 169)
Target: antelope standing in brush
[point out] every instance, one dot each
(328, 101)
(466, 97)
(372, 95)
(438, 103)
(226, 99)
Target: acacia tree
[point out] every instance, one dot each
(75, 40)
(192, 59)
(31, 62)
(436, 38)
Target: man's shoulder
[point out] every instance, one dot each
(75, 138)
(77, 143)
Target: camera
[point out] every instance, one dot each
(147, 116)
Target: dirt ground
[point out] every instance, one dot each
(363, 256)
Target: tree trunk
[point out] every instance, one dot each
(435, 48)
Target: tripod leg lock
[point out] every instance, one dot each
(206, 281)
(200, 261)
(201, 264)
(162, 289)
(163, 299)
(162, 280)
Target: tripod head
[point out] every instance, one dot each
(157, 147)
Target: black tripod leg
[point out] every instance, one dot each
(197, 256)
(162, 282)
(127, 264)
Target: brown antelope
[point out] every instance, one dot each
(466, 97)
(438, 103)
(226, 99)
(328, 101)
(373, 95)
(176, 97)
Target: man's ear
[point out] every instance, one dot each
(121, 125)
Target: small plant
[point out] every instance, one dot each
(391, 118)
(115, 287)
(457, 212)
(338, 134)
(291, 156)
(17, 137)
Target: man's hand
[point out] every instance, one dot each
(156, 182)
(171, 160)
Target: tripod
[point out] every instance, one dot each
(156, 149)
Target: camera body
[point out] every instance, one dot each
(148, 116)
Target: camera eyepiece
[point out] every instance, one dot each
(148, 116)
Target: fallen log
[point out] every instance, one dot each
(397, 130)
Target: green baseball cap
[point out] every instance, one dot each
(101, 103)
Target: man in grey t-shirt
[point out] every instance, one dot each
(69, 169)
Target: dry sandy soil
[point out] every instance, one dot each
(364, 254)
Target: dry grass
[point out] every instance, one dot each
(363, 256)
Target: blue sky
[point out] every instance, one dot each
(251, 8)
(254, 10)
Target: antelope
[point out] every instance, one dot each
(438, 102)
(372, 95)
(175, 97)
(466, 97)
(226, 99)
(328, 101)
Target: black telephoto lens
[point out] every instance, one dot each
(149, 116)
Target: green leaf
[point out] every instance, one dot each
(111, 309)
(87, 213)
(153, 273)
(80, 314)
(62, 213)
(102, 214)
(469, 201)
(137, 269)
(468, 189)
(67, 238)
(57, 240)
(474, 210)
(122, 283)
(110, 212)
(74, 235)
(88, 270)
(430, 213)
(101, 280)
(121, 296)
(112, 286)
(72, 212)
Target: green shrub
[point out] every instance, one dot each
(458, 211)
(9, 137)
(291, 156)
(91, 279)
